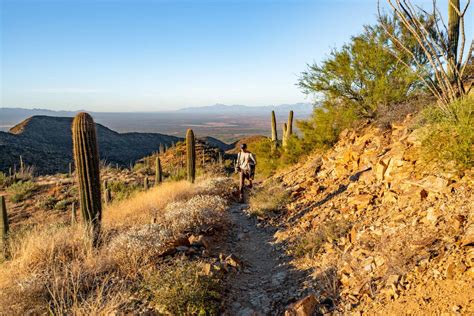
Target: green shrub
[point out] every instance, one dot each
(121, 191)
(21, 190)
(48, 202)
(181, 288)
(268, 160)
(449, 139)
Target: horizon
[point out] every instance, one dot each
(111, 56)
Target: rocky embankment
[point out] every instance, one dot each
(381, 231)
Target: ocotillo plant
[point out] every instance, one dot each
(86, 157)
(162, 149)
(191, 155)
(158, 171)
(3, 225)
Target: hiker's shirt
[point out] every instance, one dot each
(244, 160)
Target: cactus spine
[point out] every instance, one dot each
(191, 155)
(158, 171)
(3, 225)
(86, 157)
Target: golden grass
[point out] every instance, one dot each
(143, 206)
(54, 270)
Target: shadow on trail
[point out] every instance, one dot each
(342, 188)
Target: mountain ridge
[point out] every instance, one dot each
(46, 143)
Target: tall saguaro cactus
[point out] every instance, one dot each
(453, 34)
(283, 139)
(191, 155)
(3, 226)
(158, 171)
(289, 130)
(86, 158)
(274, 130)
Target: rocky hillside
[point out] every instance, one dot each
(381, 231)
(45, 142)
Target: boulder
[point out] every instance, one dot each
(304, 307)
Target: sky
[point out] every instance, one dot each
(154, 55)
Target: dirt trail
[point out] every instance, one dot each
(266, 283)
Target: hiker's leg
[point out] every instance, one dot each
(241, 185)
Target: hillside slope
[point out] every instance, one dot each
(380, 230)
(45, 142)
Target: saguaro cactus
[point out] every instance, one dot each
(274, 128)
(191, 155)
(289, 127)
(283, 139)
(158, 171)
(73, 213)
(86, 158)
(22, 165)
(145, 183)
(453, 35)
(4, 219)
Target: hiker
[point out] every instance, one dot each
(245, 165)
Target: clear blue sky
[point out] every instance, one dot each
(161, 55)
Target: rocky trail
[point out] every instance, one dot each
(266, 283)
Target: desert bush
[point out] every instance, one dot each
(182, 288)
(268, 158)
(122, 191)
(363, 74)
(322, 129)
(449, 139)
(268, 199)
(47, 202)
(21, 190)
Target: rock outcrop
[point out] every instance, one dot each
(397, 231)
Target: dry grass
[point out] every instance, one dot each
(268, 199)
(54, 270)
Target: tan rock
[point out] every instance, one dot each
(468, 239)
(361, 201)
(304, 307)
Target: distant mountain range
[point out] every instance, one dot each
(300, 108)
(46, 143)
(10, 116)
